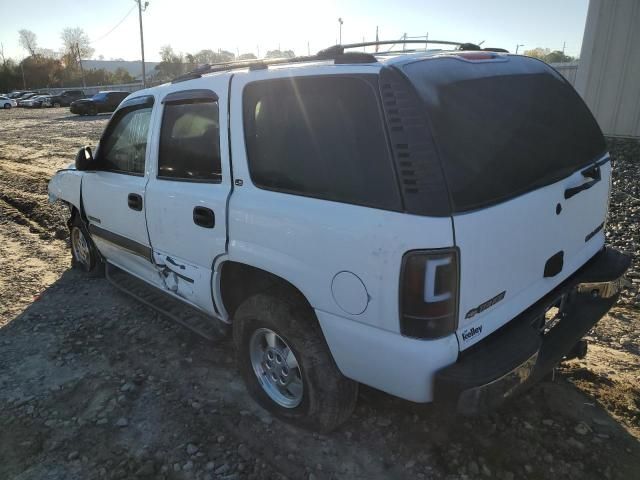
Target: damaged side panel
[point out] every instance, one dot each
(65, 186)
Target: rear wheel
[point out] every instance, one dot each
(286, 364)
(93, 110)
(56, 104)
(84, 254)
(7, 106)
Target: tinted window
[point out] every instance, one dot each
(99, 96)
(504, 128)
(124, 148)
(189, 142)
(321, 137)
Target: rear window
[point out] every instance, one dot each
(320, 137)
(503, 127)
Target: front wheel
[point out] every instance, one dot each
(287, 366)
(84, 254)
(7, 106)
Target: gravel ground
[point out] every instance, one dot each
(96, 386)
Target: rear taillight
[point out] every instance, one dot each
(429, 293)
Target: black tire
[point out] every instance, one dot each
(328, 397)
(7, 106)
(56, 104)
(93, 111)
(93, 263)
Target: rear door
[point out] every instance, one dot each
(528, 176)
(187, 193)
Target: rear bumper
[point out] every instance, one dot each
(519, 354)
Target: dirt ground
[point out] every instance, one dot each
(95, 385)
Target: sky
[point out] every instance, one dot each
(257, 26)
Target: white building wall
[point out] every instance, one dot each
(608, 76)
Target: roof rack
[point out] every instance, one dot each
(403, 41)
(336, 53)
(258, 64)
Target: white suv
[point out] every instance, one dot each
(426, 223)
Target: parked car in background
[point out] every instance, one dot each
(23, 99)
(34, 102)
(7, 103)
(66, 98)
(17, 94)
(99, 103)
(47, 101)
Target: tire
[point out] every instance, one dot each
(93, 111)
(56, 104)
(7, 106)
(325, 398)
(84, 254)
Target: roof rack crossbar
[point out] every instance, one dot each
(401, 41)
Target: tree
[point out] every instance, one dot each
(172, 64)
(27, 40)
(558, 57)
(167, 55)
(76, 42)
(280, 54)
(247, 56)
(121, 76)
(226, 56)
(538, 52)
(48, 53)
(548, 56)
(209, 56)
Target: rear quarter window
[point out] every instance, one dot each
(503, 128)
(320, 137)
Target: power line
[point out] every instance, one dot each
(116, 26)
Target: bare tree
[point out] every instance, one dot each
(27, 40)
(77, 42)
(77, 46)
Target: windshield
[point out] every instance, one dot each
(503, 127)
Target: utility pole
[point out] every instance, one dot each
(84, 85)
(24, 82)
(564, 44)
(340, 22)
(140, 10)
(377, 39)
(518, 46)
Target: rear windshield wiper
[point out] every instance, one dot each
(593, 172)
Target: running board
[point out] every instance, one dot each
(207, 327)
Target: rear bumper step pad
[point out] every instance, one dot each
(518, 355)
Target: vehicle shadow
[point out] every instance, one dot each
(85, 371)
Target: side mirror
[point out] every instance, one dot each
(84, 158)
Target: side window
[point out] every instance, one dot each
(320, 137)
(190, 142)
(124, 148)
